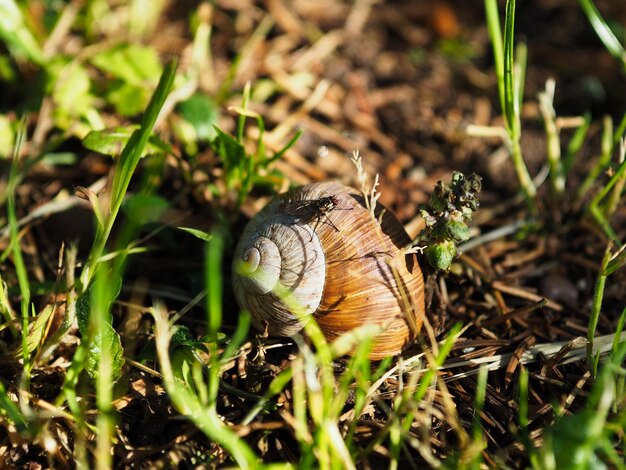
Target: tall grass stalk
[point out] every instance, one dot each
(510, 77)
(16, 251)
(70, 393)
(213, 282)
(127, 163)
(522, 410)
(22, 275)
(101, 300)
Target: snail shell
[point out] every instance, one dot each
(335, 263)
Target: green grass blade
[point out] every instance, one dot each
(617, 181)
(618, 331)
(553, 141)
(278, 155)
(597, 306)
(510, 78)
(620, 132)
(127, 163)
(519, 76)
(238, 336)
(603, 161)
(100, 322)
(241, 120)
(522, 411)
(477, 430)
(617, 261)
(602, 216)
(495, 35)
(133, 150)
(428, 377)
(14, 248)
(6, 311)
(603, 31)
(213, 279)
(576, 143)
(276, 386)
(511, 103)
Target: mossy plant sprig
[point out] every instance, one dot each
(446, 215)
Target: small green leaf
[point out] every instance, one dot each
(135, 70)
(231, 152)
(183, 360)
(72, 90)
(219, 338)
(457, 230)
(440, 255)
(112, 141)
(197, 233)
(131, 63)
(8, 73)
(112, 342)
(202, 113)
(83, 305)
(108, 337)
(109, 141)
(144, 208)
(129, 99)
(83, 308)
(183, 337)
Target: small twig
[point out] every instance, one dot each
(524, 294)
(514, 314)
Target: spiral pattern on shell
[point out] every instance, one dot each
(341, 267)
